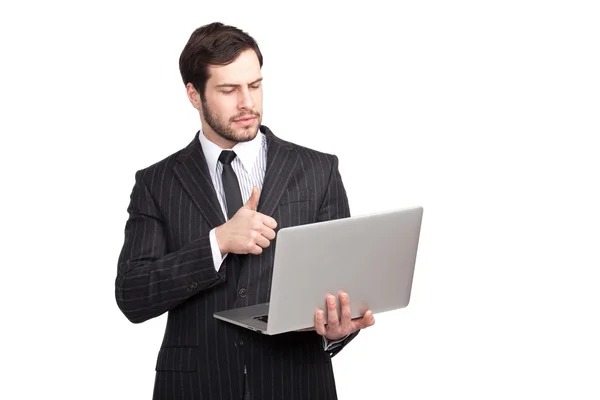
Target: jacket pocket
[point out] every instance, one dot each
(177, 359)
(295, 196)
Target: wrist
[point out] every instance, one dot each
(221, 236)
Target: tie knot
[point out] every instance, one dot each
(227, 156)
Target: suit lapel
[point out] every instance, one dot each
(192, 172)
(282, 160)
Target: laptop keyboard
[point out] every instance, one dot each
(263, 318)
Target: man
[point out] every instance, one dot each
(198, 238)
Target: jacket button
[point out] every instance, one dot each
(242, 292)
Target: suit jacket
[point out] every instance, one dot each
(166, 265)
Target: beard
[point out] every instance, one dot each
(224, 129)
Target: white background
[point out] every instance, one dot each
(485, 113)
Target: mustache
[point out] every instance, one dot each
(250, 114)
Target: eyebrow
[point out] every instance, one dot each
(234, 85)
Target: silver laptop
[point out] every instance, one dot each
(370, 257)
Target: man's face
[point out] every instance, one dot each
(232, 107)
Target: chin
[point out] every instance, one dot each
(246, 134)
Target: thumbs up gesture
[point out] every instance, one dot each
(248, 231)
(252, 202)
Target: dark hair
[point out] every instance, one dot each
(212, 44)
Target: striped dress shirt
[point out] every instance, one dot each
(249, 166)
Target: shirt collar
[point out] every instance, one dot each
(247, 152)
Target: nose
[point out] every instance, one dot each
(245, 100)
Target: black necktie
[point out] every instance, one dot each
(233, 196)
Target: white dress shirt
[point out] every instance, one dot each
(249, 166)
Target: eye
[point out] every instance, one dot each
(255, 86)
(227, 91)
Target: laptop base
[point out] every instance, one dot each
(251, 317)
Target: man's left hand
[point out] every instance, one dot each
(338, 328)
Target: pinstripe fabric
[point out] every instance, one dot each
(248, 176)
(166, 265)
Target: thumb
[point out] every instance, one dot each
(252, 202)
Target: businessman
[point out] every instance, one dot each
(200, 234)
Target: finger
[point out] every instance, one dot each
(346, 312)
(333, 321)
(320, 322)
(366, 321)
(268, 233)
(369, 319)
(252, 202)
(254, 249)
(262, 241)
(268, 221)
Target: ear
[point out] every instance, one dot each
(193, 96)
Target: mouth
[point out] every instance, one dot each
(245, 120)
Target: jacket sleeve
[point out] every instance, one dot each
(149, 280)
(334, 206)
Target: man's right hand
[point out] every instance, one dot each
(248, 231)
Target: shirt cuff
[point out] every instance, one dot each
(216, 253)
(328, 345)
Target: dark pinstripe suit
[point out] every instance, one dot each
(166, 265)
